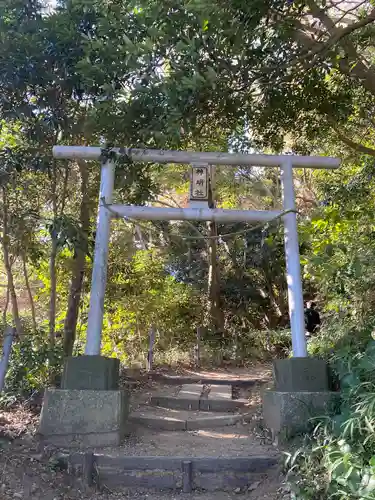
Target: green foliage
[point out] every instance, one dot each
(337, 460)
(31, 363)
(339, 240)
(135, 182)
(262, 345)
(142, 293)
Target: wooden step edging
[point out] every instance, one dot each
(181, 379)
(114, 470)
(193, 379)
(202, 404)
(178, 424)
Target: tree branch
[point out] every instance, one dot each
(360, 148)
(346, 12)
(340, 33)
(313, 46)
(357, 68)
(330, 25)
(352, 66)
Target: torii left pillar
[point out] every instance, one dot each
(90, 383)
(93, 371)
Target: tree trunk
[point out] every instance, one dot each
(5, 311)
(54, 248)
(8, 266)
(141, 239)
(52, 295)
(29, 293)
(214, 300)
(215, 312)
(79, 262)
(4, 360)
(52, 262)
(150, 354)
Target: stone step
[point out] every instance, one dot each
(192, 391)
(220, 392)
(180, 420)
(198, 397)
(174, 472)
(204, 404)
(195, 379)
(187, 398)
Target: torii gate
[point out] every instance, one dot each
(286, 163)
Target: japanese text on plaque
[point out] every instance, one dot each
(199, 183)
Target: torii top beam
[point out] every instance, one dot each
(165, 156)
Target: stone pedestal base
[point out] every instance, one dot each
(300, 374)
(301, 393)
(289, 413)
(84, 418)
(91, 372)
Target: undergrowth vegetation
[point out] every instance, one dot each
(337, 461)
(31, 364)
(32, 360)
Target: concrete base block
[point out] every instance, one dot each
(91, 373)
(300, 374)
(289, 413)
(84, 418)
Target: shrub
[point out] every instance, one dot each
(338, 460)
(263, 344)
(30, 365)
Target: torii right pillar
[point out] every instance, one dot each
(301, 384)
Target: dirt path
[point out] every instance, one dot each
(256, 372)
(26, 473)
(259, 371)
(145, 388)
(233, 441)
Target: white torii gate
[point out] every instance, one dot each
(106, 210)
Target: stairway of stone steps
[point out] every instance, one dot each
(192, 407)
(194, 438)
